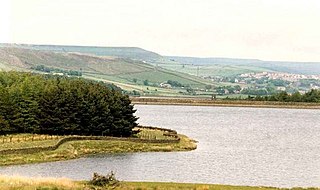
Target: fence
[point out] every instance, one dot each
(25, 138)
(169, 132)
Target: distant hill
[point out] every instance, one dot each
(215, 66)
(308, 68)
(123, 52)
(129, 74)
(27, 58)
(212, 60)
(138, 70)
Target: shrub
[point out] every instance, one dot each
(102, 181)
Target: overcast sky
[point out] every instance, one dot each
(263, 29)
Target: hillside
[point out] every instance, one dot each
(127, 73)
(25, 58)
(212, 66)
(229, 67)
(141, 72)
(123, 52)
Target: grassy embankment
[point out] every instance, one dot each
(79, 148)
(227, 103)
(22, 183)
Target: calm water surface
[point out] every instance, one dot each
(240, 146)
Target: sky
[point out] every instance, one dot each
(284, 30)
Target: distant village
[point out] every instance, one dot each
(278, 75)
(263, 83)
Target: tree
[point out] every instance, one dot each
(296, 97)
(4, 126)
(208, 87)
(174, 83)
(312, 96)
(31, 103)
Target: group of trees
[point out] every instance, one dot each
(56, 70)
(311, 96)
(229, 89)
(174, 83)
(46, 104)
(258, 92)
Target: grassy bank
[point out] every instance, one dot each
(80, 148)
(225, 103)
(22, 183)
(189, 186)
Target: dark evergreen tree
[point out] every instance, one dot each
(31, 103)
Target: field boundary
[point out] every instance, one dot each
(30, 150)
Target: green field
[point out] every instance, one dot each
(212, 70)
(127, 73)
(25, 58)
(27, 141)
(142, 71)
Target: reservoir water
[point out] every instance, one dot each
(236, 146)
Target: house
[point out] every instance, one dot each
(282, 88)
(59, 74)
(165, 85)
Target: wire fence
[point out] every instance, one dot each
(145, 133)
(27, 138)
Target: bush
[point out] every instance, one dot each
(102, 181)
(146, 82)
(174, 83)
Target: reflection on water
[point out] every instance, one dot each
(241, 146)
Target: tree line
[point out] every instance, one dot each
(57, 105)
(46, 69)
(310, 96)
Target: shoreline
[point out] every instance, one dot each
(76, 147)
(221, 103)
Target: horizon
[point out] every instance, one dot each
(185, 56)
(263, 30)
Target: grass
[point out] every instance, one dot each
(130, 86)
(76, 149)
(23, 183)
(130, 52)
(212, 69)
(153, 134)
(110, 68)
(28, 144)
(153, 76)
(25, 58)
(121, 72)
(27, 141)
(187, 186)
